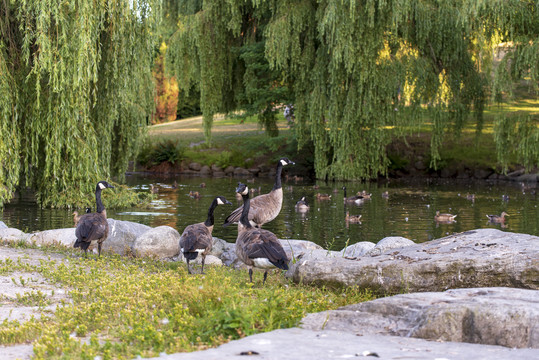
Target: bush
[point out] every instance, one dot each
(170, 151)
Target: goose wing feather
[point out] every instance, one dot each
(91, 227)
(263, 208)
(195, 236)
(264, 244)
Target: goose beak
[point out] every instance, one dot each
(228, 202)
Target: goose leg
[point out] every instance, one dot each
(250, 274)
(265, 276)
(98, 249)
(188, 268)
(203, 260)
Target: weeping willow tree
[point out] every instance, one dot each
(220, 47)
(362, 72)
(75, 92)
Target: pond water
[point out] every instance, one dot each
(408, 210)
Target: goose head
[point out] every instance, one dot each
(242, 189)
(103, 185)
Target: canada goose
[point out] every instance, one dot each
(470, 197)
(385, 195)
(203, 185)
(76, 216)
(444, 217)
(175, 185)
(497, 218)
(194, 194)
(323, 196)
(356, 199)
(153, 189)
(257, 247)
(352, 218)
(302, 204)
(316, 187)
(93, 226)
(265, 207)
(196, 238)
(505, 197)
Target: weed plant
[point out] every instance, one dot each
(120, 307)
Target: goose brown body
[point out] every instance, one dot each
(265, 207)
(197, 238)
(257, 247)
(93, 226)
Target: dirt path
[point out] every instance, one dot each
(16, 286)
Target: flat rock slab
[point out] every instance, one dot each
(477, 258)
(493, 316)
(301, 344)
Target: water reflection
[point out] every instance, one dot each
(394, 209)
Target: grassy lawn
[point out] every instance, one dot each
(121, 307)
(233, 139)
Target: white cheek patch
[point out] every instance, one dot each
(200, 250)
(220, 202)
(245, 192)
(101, 186)
(263, 263)
(283, 162)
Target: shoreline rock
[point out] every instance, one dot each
(476, 258)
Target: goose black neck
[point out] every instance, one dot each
(244, 219)
(99, 204)
(344, 189)
(210, 220)
(278, 184)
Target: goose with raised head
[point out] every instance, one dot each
(356, 199)
(257, 247)
(265, 207)
(93, 226)
(197, 238)
(497, 218)
(444, 217)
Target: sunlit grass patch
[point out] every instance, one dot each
(123, 307)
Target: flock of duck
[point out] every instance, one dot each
(256, 247)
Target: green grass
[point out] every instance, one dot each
(124, 307)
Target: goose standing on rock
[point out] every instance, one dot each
(197, 239)
(93, 226)
(265, 207)
(257, 247)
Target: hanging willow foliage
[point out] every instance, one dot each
(352, 64)
(75, 92)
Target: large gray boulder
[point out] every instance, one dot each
(389, 243)
(12, 234)
(302, 344)
(3, 225)
(162, 242)
(493, 316)
(357, 249)
(477, 258)
(122, 236)
(63, 237)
